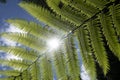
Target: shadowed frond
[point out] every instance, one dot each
(97, 44)
(115, 12)
(18, 78)
(66, 12)
(109, 32)
(80, 5)
(97, 3)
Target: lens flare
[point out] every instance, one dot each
(53, 44)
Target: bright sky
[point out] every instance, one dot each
(12, 10)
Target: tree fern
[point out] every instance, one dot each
(16, 64)
(35, 71)
(66, 12)
(23, 53)
(109, 33)
(86, 52)
(115, 12)
(90, 20)
(97, 44)
(9, 72)
(47, 17)
(60, 64)
(25, 39)
(26, 75)
(80, 5)
(31, 27)
(97, 3)
(46, 68)
(12, 78)
(72, 60)
(17, 78)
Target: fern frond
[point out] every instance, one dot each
(97, 44)
(31, 27)
(20, 52)
(72, 60)
(7, 78)
(60, 65)
(110, 35)
(15, 64)
(66, 12)
(26, 39)
(46, 17)
(46, 68)
(9, 72)
(35, 71)
(97, 3)
(18, 78)
(86, 53)
(112, 0)
(81, 6)
(115, 12)
(26, 75)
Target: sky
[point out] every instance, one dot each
(12, 10)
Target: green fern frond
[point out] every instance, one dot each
(35, 71)
(97, 44)
(46, 68)
(15, 64)
(31, 27)
(115, 12)
(109, 33)
(8, 78)
(72, 59)
(60, 65)
(46, 17)
(66, 12)
(112, 0)
(97, 3)
(62, 17)
(18, 78)
(9, 72)
(81, 6)
(26, 75)
(20, 52)
(86, 53)
(26, 39)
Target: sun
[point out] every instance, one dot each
(53, 44)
